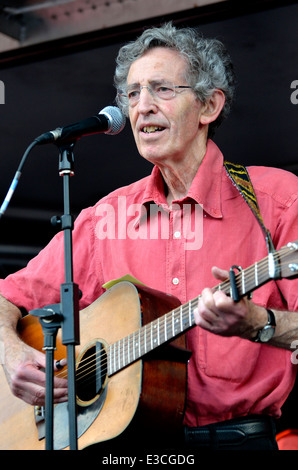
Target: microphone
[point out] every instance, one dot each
(109, 120)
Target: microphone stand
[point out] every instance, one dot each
(65, 314)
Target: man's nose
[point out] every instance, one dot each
(146, 102)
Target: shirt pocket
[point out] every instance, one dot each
(229, 358)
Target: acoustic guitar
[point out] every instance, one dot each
(131, 365)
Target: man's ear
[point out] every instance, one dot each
(213, 107)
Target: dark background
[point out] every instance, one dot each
(64, 81)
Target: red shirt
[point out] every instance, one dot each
(133, 231)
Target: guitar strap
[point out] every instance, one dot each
(240, 177)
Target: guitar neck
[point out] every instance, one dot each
(151, 336)
(181, 319)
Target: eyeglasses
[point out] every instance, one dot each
(161, 90)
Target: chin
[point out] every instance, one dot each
(152, 157)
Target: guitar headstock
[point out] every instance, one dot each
(288, 257)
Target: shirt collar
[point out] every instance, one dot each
(205, 188)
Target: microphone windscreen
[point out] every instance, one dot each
(116, 118)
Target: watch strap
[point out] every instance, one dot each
(271, 317)
(271, 322)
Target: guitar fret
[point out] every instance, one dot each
(177, 328)
(136, 344)
(189, 313)
(118, 344)
(173, 324)
(149, 338)
(181, 319)
(153, 327)
(120, 354)
(114, 358)
(256, 275)
(145, 342)
(128, 350)
(123, 352)
(151, 335)
(109, 361)
(133, 347)
(242, 281)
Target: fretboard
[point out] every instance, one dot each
(151, 336)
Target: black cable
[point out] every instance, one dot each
(16, 178)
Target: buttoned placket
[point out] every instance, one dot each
(176, 280)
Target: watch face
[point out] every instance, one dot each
(266, 334)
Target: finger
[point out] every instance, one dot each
(31, 387)
(207, 304)
(200, 320)
(204, 314)
(60, 395)
(220, 274)
(29, 384)
(60, 382)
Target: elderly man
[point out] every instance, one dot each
(170, 230)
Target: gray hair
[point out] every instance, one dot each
(210, 66)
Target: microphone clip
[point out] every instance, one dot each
(66, 159)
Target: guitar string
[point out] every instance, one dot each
(143, 335)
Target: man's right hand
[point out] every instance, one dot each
(23, 365)
(25, 372)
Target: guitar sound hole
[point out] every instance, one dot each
(91, 373)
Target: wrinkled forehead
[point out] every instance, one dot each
(159, 63)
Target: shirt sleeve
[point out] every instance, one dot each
(287, 232)
(38, 284)
(277, 194)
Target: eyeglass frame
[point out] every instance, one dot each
(152, 92)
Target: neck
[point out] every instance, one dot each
(179, 175)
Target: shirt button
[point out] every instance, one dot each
(177, 234)
(175, 281)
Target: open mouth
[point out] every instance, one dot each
(150, 129)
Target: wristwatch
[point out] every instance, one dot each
(266, 333)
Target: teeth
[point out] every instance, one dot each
(149, 129)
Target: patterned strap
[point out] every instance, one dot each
(241, 180)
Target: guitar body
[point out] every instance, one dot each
(147, 395)
(130, 365)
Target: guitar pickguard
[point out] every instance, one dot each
(86, 416)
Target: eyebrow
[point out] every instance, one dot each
(151, 82)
